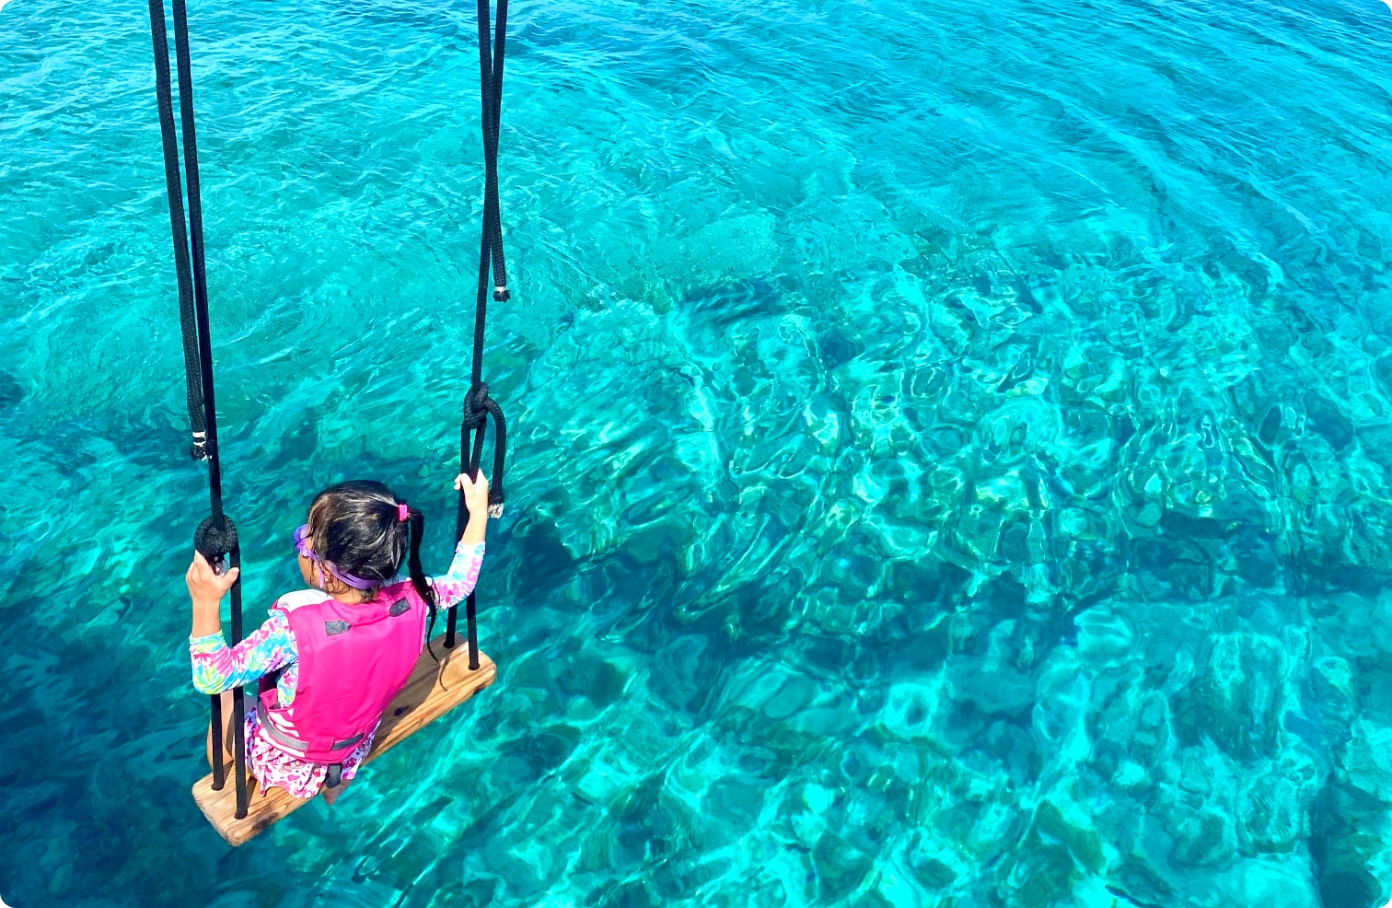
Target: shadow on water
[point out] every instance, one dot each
(723, 306)
(11, 391)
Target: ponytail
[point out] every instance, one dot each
(416, 523)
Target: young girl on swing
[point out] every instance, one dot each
(329, 660)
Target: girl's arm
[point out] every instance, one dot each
(206, 588)
(218, 667)
(468, 554)
(463, 575)
(475, 492)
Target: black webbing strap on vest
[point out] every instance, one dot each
(478, 406)
(216, 536)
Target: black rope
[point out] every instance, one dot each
(478, 406)
(216, 537)
(180, 232)
(491, 98)
(200, 281)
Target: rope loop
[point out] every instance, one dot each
(495, 487)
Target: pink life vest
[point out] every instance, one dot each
(353, 661)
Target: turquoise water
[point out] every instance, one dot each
(950, 446)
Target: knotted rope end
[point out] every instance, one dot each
(215, 538)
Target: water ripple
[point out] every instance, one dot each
(950, 453)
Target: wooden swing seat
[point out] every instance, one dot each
(434, 689)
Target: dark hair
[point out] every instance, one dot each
(357, 527)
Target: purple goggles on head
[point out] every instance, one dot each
(356, 583)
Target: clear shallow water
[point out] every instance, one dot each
(950, 447)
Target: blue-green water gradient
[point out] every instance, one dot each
(950, 446)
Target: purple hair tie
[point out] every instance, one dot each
(403, 513)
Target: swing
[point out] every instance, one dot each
(435, 687)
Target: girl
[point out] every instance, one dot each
(330, 659)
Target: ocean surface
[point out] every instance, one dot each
(949, 465)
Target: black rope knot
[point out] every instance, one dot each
(501, 294)
(477, 406)
(215, 537)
